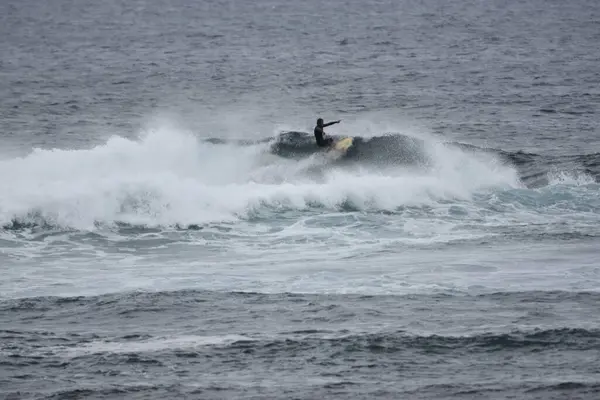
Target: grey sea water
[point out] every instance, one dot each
(170, 230)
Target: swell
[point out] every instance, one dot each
(380, 150)
(343, 342)
(194, 298)
(397, 149)
(21, 343)
(536, 169)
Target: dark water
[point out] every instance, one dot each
(170, 230)
(177, 344)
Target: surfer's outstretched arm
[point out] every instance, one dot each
(332, 123)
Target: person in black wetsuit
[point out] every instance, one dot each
(319, 133)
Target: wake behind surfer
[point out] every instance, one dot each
(319, 133)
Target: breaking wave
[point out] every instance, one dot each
(171, 177)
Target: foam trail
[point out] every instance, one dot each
(170, 177)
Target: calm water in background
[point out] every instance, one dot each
(169, 228)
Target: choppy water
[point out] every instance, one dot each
(170, 230)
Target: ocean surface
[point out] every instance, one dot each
(169, 229)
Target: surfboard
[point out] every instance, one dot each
(343, 144)
(339, 148)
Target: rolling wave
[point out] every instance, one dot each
(535, 170)
(172, 178)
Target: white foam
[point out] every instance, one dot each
(171, 177)
(189, 342)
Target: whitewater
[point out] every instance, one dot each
(170, 177)
(249, 216)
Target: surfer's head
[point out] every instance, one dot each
(320, 122)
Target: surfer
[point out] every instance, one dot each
(319, 133)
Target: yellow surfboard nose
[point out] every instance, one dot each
(343, 144)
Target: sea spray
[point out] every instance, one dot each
(170, 177)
